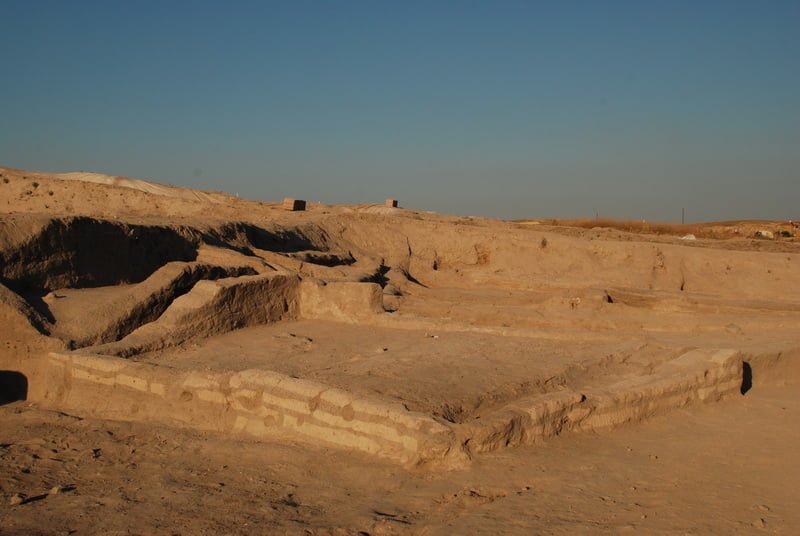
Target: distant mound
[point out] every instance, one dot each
(143, 186)
(125, 182)
(713, 230)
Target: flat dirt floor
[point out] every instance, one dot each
(428, 371)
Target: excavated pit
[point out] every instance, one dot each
(84, 252)
(120, 309)
(423, 342)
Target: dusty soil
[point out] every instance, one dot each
(727, 468)
(182, 362)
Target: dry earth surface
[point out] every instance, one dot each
(182, 362)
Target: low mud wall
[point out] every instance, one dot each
(256, 403)
(213, 307)
(340, 301)
(265, 404)
(699, 375)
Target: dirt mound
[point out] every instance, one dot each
(146, 186)
(424, 339)
(123, 182)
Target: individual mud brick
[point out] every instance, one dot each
(294, 204)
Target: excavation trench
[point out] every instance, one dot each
(284, 330)
(119, 310)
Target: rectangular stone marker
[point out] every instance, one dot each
(294, 204)
(391, 203)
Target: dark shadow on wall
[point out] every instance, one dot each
(747, 378)
(83, 252)
(242, 236)
(13, 386)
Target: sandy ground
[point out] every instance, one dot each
(463, 324)
(727, 468)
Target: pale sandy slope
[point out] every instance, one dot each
(123, 182)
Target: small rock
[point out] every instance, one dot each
(16, 499)
(765, 234)
(55, 490)
(760, 523)
(689, 237)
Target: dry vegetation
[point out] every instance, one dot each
(713, 230)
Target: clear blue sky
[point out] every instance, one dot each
(632, 109)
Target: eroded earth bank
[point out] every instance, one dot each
(175, 361)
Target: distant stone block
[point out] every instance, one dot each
(294, 204)
(391, 203)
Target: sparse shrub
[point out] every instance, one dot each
(5, 180)
(543, 243)
(50, 193)
(35, 184)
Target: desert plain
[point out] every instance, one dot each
(175, 361)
